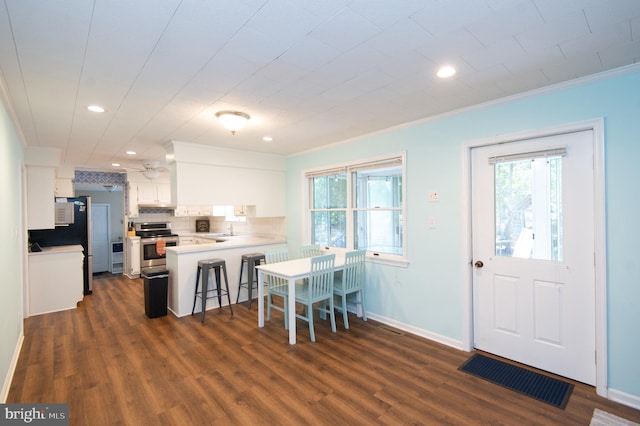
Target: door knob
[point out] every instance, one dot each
(479, 264)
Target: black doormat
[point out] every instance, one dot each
(543, 388)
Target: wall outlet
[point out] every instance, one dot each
(434, 196)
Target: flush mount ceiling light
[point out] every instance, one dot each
(446, 71)
(233, 120)
(95, 108)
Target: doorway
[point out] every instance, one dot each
(529, 260)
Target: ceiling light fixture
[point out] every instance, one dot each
(267, 138)
(115, 164)
(131, 152)
(95, 108)
(233, 120)
(446, 71)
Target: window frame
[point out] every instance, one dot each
(349, 168)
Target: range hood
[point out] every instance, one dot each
(157, 206)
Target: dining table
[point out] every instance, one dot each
(290, 270)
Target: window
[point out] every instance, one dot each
(359, 206)
(528, 206)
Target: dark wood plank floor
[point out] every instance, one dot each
(113, 365)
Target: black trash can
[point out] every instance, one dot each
(156, 286)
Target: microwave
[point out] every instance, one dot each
(64, 213)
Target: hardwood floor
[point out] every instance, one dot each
(113, 365)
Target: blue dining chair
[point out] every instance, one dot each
(351, 281)
(277, 286)
(318, 289)
(311, 250)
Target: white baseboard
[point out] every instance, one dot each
(12, 368)
(632, 401)
(456, 344)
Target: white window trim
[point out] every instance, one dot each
(381, 258)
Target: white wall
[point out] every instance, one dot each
(13, 251)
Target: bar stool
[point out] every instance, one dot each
(204, 267)
(251, 260)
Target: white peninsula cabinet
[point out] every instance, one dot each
(55, 279)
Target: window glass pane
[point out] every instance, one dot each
(379, 188)
(329, 192)
(328, 228)
(379, 231)
(528, 208)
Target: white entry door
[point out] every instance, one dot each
(101, 241)
(533, 253)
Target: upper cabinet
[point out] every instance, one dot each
(204, 175)
(154, 193)
(41, 166)
(64, 181)
(40, 199)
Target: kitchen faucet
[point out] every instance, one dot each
(231, 229)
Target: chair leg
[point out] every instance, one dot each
(332, 314)
(218, 286)
(240, 281)
(195, 293)
(250, 269)
(364, 311)
(226, 284)
(205, 291)
(345, 317)
(312, 334)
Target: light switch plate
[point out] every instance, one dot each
(432, 222)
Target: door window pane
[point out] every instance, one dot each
(528, 208)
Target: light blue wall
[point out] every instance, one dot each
(429, 293)
(11, 252)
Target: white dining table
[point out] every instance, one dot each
(290, 270)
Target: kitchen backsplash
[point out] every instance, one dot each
(275, 226)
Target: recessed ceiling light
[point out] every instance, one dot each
(267, 138)
(446, 71)
(131, 152)
(95, 108)
(115, 164)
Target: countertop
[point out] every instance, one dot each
(220, 242)
(57, 249)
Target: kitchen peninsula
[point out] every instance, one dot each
(182, 263)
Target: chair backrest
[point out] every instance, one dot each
(353, 272)
(276, 256)
(311, 250)
(321, 276)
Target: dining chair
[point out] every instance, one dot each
(351, 281)
(318, 289)
(311, 250)
(276, 285)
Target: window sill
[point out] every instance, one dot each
(402, 263)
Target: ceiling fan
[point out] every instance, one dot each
(151, 169)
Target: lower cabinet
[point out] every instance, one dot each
(117, 261)
(132, 264)
(55, 279)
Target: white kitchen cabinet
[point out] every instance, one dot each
(132, 264)
(187, 240)
(55, 279)
(154, 193)
(63, 188)
(133, 200)
(244, 210)
(40, 197)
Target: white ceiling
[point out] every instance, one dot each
(309, 72)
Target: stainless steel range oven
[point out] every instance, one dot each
(154, 237)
